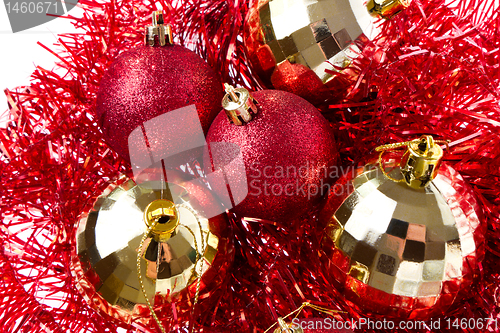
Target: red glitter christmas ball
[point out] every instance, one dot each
(147, 82)
(287, 153)
(301, 81)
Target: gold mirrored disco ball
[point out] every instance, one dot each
(297, 45)
(401, 251)
(183, 245)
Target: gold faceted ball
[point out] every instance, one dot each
(298, 46)
(181, 243)
(400, 251)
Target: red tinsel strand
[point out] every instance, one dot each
(52, 180)
(214, 30)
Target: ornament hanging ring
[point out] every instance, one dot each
(424, 144)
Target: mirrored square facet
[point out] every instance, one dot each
(313, 55)
(347, 243)
(398, 228)
(435, 250)
(329, 47)
(411, 271)
(303, 38)
(320, 30)
(416, 232)
(405, 287)
(342, 38)
(288, 46)
(414, 251)
(364, 253)
(382, 281)
(428, 289)
(433, 270)
(387, 264)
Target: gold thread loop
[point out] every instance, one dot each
(141, 282)
(383, 169)
(198, 255)
(392, 146)
(297, 312)
(198, 258)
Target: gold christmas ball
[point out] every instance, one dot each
(297, 46)
(183, 244)
(402, 251)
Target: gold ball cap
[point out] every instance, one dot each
(163, 215)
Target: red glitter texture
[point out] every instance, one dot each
(288, 151)
(146, 82)
(436, 73)
(293, 77)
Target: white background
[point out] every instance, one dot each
(21, 54)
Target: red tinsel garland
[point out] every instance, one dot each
(433, 69)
